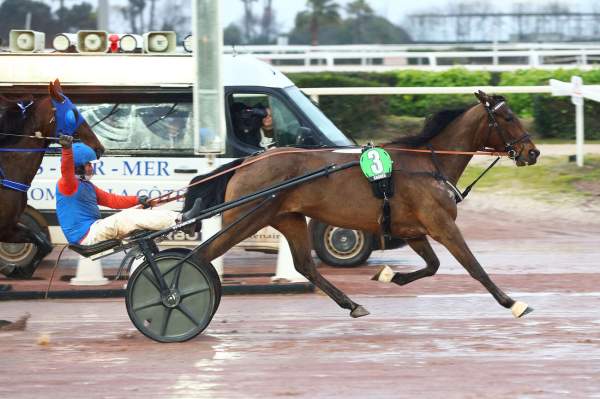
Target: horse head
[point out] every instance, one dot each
(68, 120)
(506, 133)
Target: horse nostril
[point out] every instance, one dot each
(534, 154)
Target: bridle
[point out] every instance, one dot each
(509, 145)
(66, 119)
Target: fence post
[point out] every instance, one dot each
(432, 60)
(534, 59)
(579, 124)
(577, 100)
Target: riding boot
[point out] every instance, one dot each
(194, 211)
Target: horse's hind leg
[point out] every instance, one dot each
(450, 236)
(295, 230)
(421, 246)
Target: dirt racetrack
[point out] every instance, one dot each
(441, 337)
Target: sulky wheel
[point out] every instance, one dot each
(184, 310)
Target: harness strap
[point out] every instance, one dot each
(386, 221)
(12, 184)
(457, 193)
(470, 186)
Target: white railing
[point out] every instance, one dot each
(281, 49)
(315, 92)
(498, 57)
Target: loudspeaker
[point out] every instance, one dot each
(130, 43)
(188, 42)
(26, 41)
(65, 42)
(160, 42)
(92, 41)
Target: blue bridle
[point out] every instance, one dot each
(67, 120)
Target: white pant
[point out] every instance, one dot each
(123, 223)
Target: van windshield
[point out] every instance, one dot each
(141, 126)
(317, 117)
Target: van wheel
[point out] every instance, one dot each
(340, 247)
(21, 260)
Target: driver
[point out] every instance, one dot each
(77, 201)
(253, 125)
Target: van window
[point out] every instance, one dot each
(141, 126)
(317, 117)
(262, 120)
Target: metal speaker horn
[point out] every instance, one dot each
(188, 42)
(160, 42)
(92, 41)
(26, 41)
(130, 43)
(65, 42)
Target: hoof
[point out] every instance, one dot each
(520, 309)
(385, 274)
(359, 311)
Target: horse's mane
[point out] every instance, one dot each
(433, 126)
(12, 120)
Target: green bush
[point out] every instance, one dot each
(356, 116)
(555, 118)
(522, 104)
(423, 105)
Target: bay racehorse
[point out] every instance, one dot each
(424, 203)
(27, 127)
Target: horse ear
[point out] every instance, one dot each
(481, 96)
(55, 90)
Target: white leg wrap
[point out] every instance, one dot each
(518, 309)
(385, 274)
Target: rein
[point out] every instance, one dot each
(165, 198)
(38, 135)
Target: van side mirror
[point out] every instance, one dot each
(305, 136)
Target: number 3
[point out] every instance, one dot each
(376, 164)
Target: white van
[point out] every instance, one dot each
(140, 107)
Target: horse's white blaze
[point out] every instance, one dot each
(518, 308)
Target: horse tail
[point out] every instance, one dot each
(212, 191)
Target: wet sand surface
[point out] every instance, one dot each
(440, 337)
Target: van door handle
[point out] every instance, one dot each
(186, 170)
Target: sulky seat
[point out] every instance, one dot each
(89, 250)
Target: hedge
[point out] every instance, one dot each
(356, 116)
(424, 105)
(359, 116)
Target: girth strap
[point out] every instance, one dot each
(384, 189)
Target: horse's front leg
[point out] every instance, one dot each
(448, 234)
(293, 227)
(422, 247)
